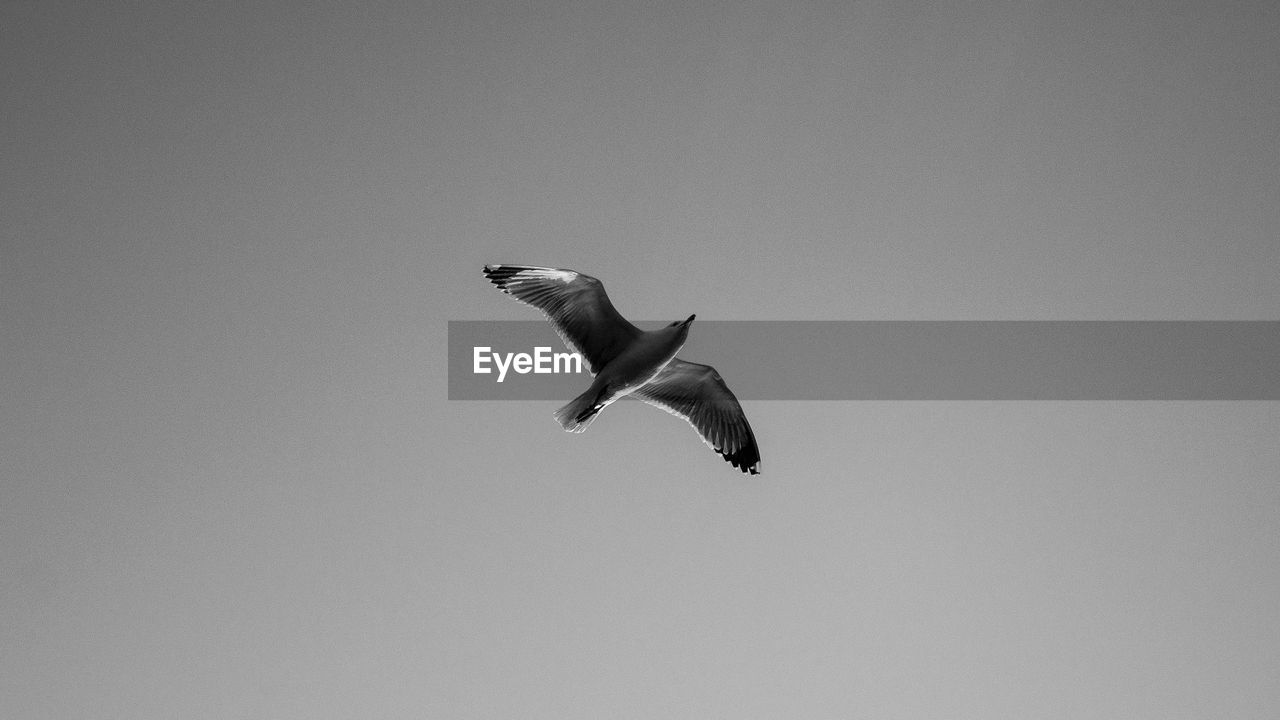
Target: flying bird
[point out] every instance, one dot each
(626, 360)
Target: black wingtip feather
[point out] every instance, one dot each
(500, 275)
(747, 459)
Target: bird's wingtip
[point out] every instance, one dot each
(500, 275)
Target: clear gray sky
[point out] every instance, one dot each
(231, 485)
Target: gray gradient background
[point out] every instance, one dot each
(233, 487)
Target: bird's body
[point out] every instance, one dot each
(633, 368)
(628, 361)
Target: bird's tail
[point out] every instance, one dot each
(580, 411)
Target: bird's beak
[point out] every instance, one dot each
(691, 317)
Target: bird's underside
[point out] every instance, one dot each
(581, 313)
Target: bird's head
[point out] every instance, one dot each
(682, 326)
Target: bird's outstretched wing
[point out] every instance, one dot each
(576, 305)
(698, 394)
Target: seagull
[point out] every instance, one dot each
(625, 360)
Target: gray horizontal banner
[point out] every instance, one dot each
(905, 360)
